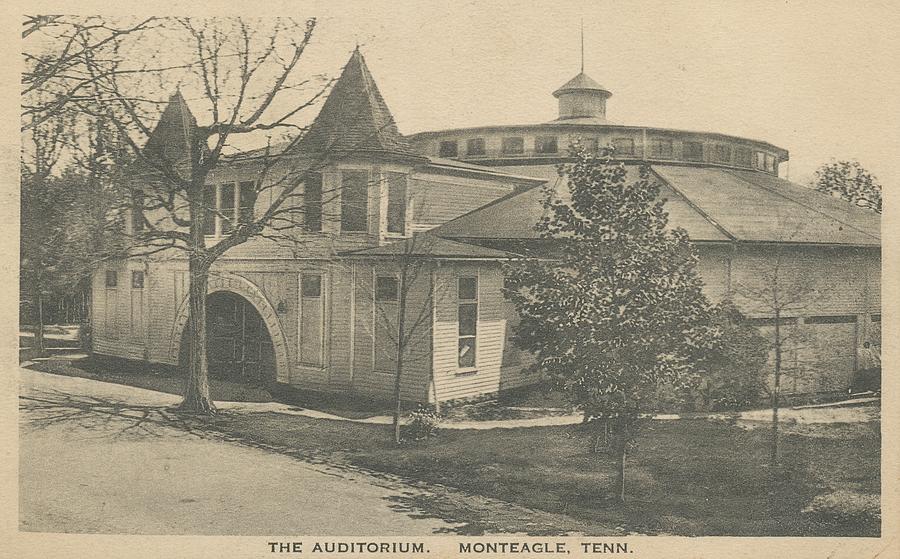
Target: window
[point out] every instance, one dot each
(311, 286)
(623, 146)
(387, 315)
(770, 321)
(693, 151)
(209, 202)
(722, 153)
(354, 200)
(448, 149)
(512, 145)
(112, 278)
(660, 147)
(312, 202)
(137, 212)
(743, 157)
(396, 203)
(837, 319)
(226, 207)
(247, 202)
(770, 163)
(137, 279)
(387, 288)
(875, 318)
(311, 320)
(590, 144)
(545, 144)
(475, 146)
(467, 295)
(760, 161)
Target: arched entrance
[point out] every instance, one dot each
(244, 336)
(239, 347)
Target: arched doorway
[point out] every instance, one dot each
(239, 346)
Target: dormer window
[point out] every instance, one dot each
(448, 149)
(545, 144)
(743, 157)
(722, 153)
(475, 146)
(623, 146)
(513, 145)
(770, 163)
(693, 151)
(761, 161)
(661, 147)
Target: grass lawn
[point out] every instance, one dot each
(691, 477)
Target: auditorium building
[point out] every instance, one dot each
(429, 219)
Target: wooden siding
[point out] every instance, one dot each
(489, 375)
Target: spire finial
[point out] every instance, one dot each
(582, 45)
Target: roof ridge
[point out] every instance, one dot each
(800, 203)
(694, 206)
(516, 192)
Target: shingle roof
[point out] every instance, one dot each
(580, 82)
(754, 206)
(170, 139)
(711, 204)
(355, 119)
(426, 245)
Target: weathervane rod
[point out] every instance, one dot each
(582, 45)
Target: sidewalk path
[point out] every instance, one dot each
(832, 414)
(93, 460)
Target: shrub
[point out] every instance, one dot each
(845, 507)
(422, 424)
(736, 366)
(84, 336)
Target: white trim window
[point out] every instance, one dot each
(312, 320)
(467, 318)
(396, 203)
(387, 317)
(227, 204)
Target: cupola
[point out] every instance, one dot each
(582, 98)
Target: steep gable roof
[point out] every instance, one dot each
(170, 140)
(355, 119)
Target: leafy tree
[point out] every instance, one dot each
(736, 364)
(619, 311)
(849, 181)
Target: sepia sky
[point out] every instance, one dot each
(818, 78)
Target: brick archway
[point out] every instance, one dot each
(246, 289)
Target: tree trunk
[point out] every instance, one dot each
(196, 393)
(621, 476)
(775, 392)
(39, 327)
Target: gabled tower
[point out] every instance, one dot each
(170, 140)
(355, 120)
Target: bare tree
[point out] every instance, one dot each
(783, 297)
(404, 296)
(242, 68)
(55, 55)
